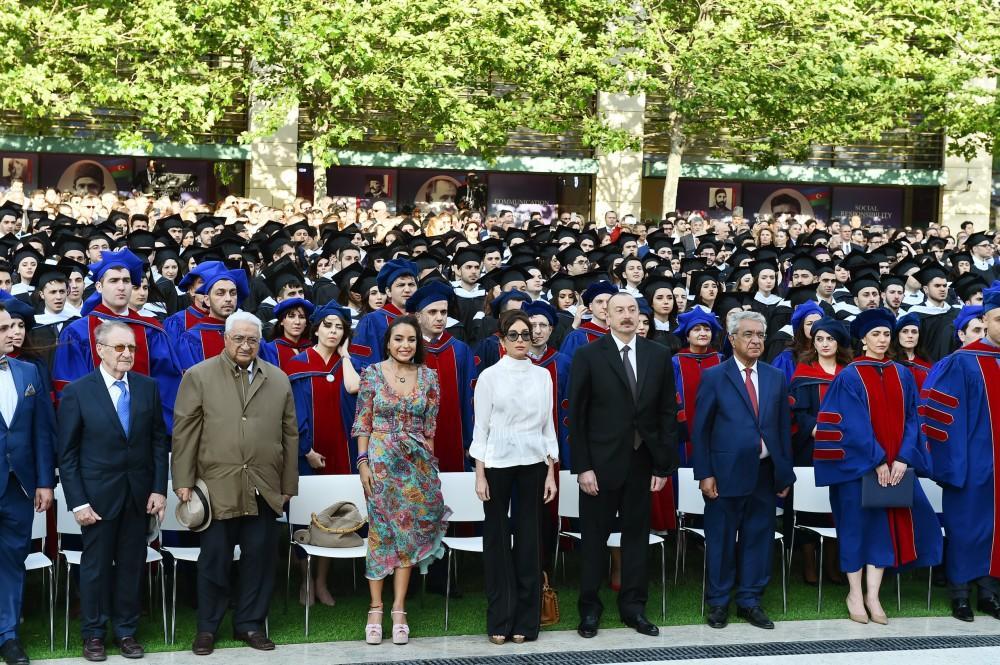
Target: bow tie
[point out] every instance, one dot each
(4, 365)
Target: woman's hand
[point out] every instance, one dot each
(367, 482)
(343, 349)
(316, 461)
(482, 488)
(550, 490)
(896, 472)
(882, 473)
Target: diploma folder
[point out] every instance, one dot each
(874, 495)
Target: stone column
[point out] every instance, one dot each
(618, 183)
(272, 174)
(966, 193)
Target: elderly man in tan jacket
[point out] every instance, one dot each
(235, 429)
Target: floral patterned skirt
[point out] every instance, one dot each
(406, 513)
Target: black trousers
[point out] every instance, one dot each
(989, 588)
(114, 555)
(597, 517)
(257, 536)
(514, 578)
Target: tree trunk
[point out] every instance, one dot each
(673, 165)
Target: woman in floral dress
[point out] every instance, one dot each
(395, 423)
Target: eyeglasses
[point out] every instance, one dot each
(581, 262)
(752, 335)
(513, 336)
(240, 340)
(120, 348)
(540, 326)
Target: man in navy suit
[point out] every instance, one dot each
(742, 458)
(27, 476)
(113, 467)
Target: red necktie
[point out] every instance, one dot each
(752, 392)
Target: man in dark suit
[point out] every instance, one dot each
(623, 437)
(113, 467)
(27, 476)
(742, 456)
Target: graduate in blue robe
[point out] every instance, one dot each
(557, 364)
(398, 280)
(76, 355)
(455, 365)
(178, 322)
(869, 424)
(206, 339)
(802, 319)
(960, 409)
(280, 350)
(591, 331)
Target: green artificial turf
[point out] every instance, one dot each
(346, 620)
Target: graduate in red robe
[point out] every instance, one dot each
(325, 378)
(960, 409)
(291, 332)
(455, 365)
(225, 291)
(869, 425)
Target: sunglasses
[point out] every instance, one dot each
(513, 336)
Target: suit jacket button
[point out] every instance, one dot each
(244, 418)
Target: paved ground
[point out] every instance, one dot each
(834, 642)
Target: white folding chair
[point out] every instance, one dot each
(316, 493)
(458, 490)
(38, 561)
(569, 507)
(812, 499)
(188, 554)
(935, 495)
(66, 525)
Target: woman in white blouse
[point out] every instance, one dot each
(515, 446)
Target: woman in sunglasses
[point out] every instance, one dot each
(515, 447)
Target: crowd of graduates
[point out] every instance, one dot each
(821, 286)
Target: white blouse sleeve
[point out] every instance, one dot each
(482, 400)
(548, 428)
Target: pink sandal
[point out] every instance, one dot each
(373, 631)
(400, 631)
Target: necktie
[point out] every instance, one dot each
(753, 400)
(245, 380)
(629, 372)
(123, 404)
(630, 376)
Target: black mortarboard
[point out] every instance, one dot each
(281, 273)
(929, 273)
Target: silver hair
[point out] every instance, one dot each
(243, 317)
(102, 331)
(734, 319)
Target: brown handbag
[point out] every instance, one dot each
(550, 602)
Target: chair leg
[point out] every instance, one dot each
(66, 638)
(354, 574)
(308, 589)
(930, 578)
(677, 551)
(288, 575)
(163, 601)
(149, 587)
(555, 560)
(173, 606)
(52, 603)
(819, 595)
(791, 548)
(447, 589)
(899, 596)
(704, 576)
(663, 579)
(784, 581)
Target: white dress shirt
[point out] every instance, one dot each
(8, 395)
(756, 388)
(631, 352)
(513, 415)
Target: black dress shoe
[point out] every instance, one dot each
(718, 616)
(130, 647)
(588, 627)
(989, 606)
(93, 650)
(642, 625)
(255, 639)
(204, 644)
(962, 610)
(13, 653)
(755, 616)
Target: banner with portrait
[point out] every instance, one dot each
(775, 199)
(18, 170)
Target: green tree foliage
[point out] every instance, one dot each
(771, 78)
